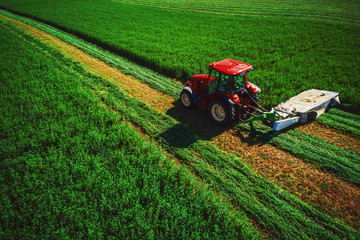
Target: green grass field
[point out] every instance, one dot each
(74, 163)
(332, 11)
(289, 55)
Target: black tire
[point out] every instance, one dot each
(221, 113)
(186, 99)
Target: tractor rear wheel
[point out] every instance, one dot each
(220, 112)
(186, 99)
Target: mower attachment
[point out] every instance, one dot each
(304, 107)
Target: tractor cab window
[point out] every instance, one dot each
(239, 82)
(226, 83)
(215, 74)
(213, 85)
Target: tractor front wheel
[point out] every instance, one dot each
(220, 112)
(186, 99)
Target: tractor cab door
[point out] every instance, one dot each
(213, 82)
(221, 83)
(239, 82)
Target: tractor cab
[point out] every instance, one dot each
(225, 87)
(226, 83)
(230, 76)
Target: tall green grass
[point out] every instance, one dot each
(340, 11)
(69, 168)
(288, 55)
(273, 208)
(153, 79)
(319, 152)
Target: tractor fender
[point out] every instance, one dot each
(193, 94)
(252, 88)
(222, 97)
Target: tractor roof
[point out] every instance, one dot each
(230, 67)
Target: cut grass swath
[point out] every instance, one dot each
(341, 120)
(271, 206)
(325, 155)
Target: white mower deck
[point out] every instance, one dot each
(305, 106)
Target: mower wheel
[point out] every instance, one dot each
(186, 99)
(220, 112)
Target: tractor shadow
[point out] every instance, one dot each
(254, 136)
(195, 125)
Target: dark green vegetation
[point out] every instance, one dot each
(289, 55)
(273, 208)
(153, 79)
(71, 168)
(338, 11)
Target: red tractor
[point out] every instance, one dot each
(225, 92)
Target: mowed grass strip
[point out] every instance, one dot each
(343, 121)
(325, 155)
(173, 130)
(330, 133)
(321, 189)
(72, 169)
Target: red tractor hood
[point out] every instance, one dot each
(230, 67)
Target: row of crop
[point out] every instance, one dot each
(335, 11)
(178, 43)
(311, 149)
(71, 169)
(341, 120)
